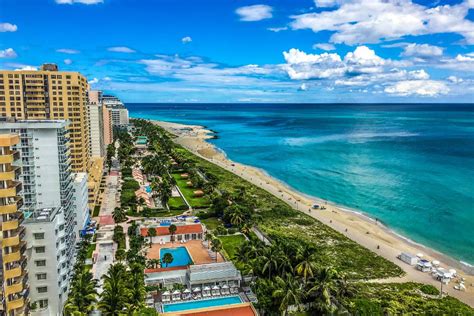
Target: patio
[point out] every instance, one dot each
(199, 253)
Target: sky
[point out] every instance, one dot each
(250, 50)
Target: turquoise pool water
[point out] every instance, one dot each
(180, 255)
(176, 307)
(148, 189)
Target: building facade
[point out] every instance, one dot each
(13, 270)
(48, 181)
(118, 111)
(81, 200)
(97, 147)
(49, 94)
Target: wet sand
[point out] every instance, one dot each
(356, 226)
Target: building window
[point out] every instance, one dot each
(38, 236)
(40, 263)
(41, 276)
(42, 303)
(42, 289)
(40, 249)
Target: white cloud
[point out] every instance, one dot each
(94, 81)
(324, 46)
(326, 3)
(67, 61)
(254, 12)
(301, 66)
(455, 79)
(79, 1)
(427, 88)
(68, 51)
(462, 62)
(121, 49)
(8, 53)
(8, 27)
(422, 50)
(278, 29)
(107, 79)
(363, 60)
(27, 68)
(303, 87)
(356, 22)
(186, 40)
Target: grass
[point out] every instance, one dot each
(231, 243)
(280, 222)
(188, 192)
(90, 250)
(177, 203)
(211, 223)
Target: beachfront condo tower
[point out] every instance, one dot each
(13, 275)
(49, 94)
(49, 210)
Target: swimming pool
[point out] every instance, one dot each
(180, 255)
(148, 189)
(184, 306)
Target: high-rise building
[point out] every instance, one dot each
(49, 94)
(49, 208)
(97, 146)
(13, 273)
(81, 200)
(118, 111)
(108, 127)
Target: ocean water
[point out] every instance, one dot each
(409, 165)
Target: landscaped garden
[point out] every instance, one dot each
(231, 243)
(188, 191)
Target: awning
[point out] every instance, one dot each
(197, 290)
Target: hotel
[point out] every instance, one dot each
(49, 94)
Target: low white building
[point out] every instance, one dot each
(80, 201)
(48, 260)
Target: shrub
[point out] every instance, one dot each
(429, 289)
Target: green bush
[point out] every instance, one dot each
(429, 289)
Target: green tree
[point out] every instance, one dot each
(119, 215)
(116, 293)
(110, 154)
(216, 246)
(172, 230)
(305, 267)
(289, 292)
(167, 259)
(322, 287)
(83, 294)
(151, 233)
(164, 193)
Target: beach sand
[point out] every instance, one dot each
(356, 226)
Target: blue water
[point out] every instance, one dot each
(409, 165)
(176, 307)
(180, 256)
(148, 189)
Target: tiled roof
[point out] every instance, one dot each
(180, 229)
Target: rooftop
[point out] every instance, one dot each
(211, 271)
(180, 229)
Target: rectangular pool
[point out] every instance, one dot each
(180, 255)
(184, 306)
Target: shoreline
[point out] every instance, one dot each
(354, 224)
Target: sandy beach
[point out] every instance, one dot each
(362, 229)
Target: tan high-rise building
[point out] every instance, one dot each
(50, 94)
(13, 275)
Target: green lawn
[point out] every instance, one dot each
(90, 250)
(156, 212)
(211, 223)
(195, 202)
(177, 203)
(230, 243)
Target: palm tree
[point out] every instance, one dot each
(151, 233)
(216, 246)
(289, 292)
(305, 267)
(322, 287)
(164, 192)
(209, 236)
(167, 259)
(153, 263)
(137, 286)
(172, 229)
(272, 258)
(236, 217)
(118, 215)
(116, 291)
(83, 294)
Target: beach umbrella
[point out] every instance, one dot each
(419, 255)
(435, 262)
(452, 271)
(197, 290)
(166, 293)
(225, 286)
(187, 291)
(176, 292)
(207, 288)
(215, 287)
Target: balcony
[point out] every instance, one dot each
(12, 273)
(11, 208)
(13, 189)
(11, 241)
(10, 225)
(11, 257)
(14, 288)
(15, 304)
(10, 174)
(9, 157)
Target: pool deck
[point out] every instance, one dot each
(243, 309)
(199, 254)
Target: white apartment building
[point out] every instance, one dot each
(97, 147)
(80, 201)
(49, 208)
(48, 260)
(118, 111)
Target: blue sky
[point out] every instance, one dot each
(250, 51)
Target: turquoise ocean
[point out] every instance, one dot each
(409, 165)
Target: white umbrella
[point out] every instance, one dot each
(435, 262)
(207, 288)
(452, 271)
(225, 286)
(197, 290)
(215, 287)
(187, 291)
(166, 293)
(419, 255)
(176, 292)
